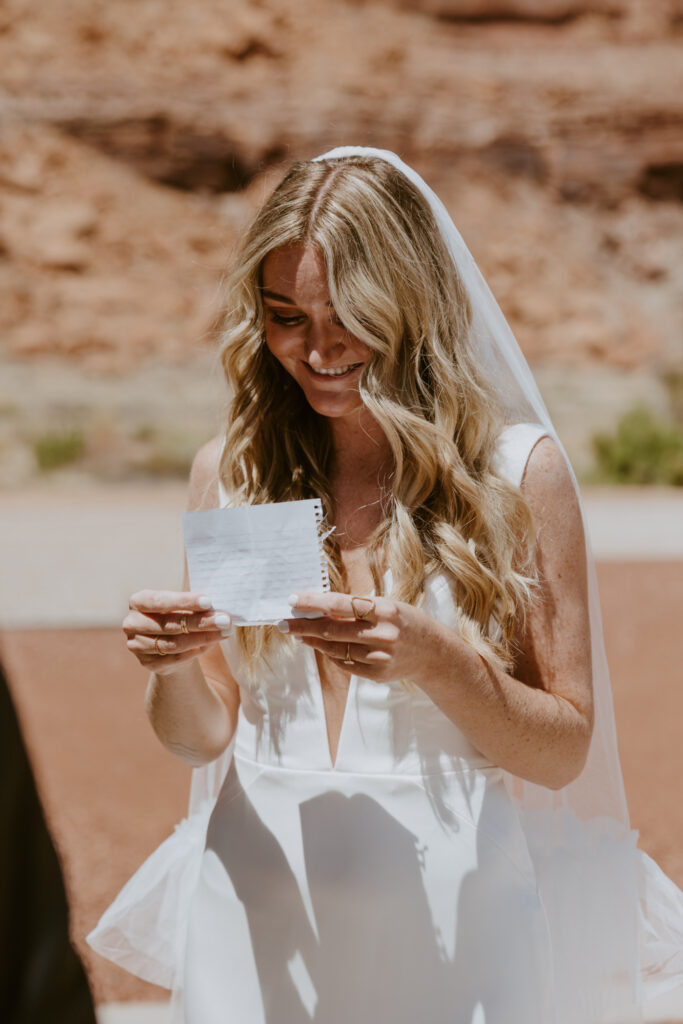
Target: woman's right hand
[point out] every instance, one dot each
(154, 627)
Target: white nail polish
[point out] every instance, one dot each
(226, 633)
(204, 602)
(283, 626)
(293, 600)
(222, 620)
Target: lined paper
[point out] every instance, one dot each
(249, 559)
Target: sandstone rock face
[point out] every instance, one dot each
(99, 265)
(137, 138)
(521, 10)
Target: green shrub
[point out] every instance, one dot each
(643, 450)
(169, 457)
(673, 382)
(144, 432)
(52, 451)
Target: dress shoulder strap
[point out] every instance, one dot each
(514, 446)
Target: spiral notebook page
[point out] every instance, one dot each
(248, 560)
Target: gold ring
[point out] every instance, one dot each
(156, 647)
(368, 611)
(183, 624)
(348, 660)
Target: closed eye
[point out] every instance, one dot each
(277, 318)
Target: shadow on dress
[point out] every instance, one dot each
(372, 952)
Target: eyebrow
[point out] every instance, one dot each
(276, 297)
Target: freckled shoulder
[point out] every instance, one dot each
(546, 480)
(529, 458)
(561, 543)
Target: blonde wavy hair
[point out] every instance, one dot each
(394, 286)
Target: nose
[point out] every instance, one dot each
(324, 343)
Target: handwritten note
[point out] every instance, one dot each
(249, 559)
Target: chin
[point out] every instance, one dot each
(334, 409)
(334, 413)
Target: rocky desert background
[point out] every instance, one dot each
(137, 137)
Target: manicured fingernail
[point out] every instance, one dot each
(297, 639)
(222, 620)
(293, 599)
(226, 633)
(204, 602)
(283, 626)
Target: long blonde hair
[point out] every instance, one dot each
(395, 287)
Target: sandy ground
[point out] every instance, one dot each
(110, 790)
(112, 793)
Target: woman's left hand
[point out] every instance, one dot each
(385, 639)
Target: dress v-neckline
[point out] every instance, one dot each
(320, 697)
(351, 693)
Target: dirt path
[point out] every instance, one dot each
(112, 793)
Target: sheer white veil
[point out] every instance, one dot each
(615, 919)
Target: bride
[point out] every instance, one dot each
(410, 806)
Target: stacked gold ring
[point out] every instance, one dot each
(368, 611)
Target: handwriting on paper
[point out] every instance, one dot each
(249, 559)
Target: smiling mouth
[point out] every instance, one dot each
(336, 371)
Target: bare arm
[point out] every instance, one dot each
(192, 701)
(538, 722)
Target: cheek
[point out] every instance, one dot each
(279, 345)
(358, 348)
(286, 350)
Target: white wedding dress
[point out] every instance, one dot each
(401, 884)
(394, 885)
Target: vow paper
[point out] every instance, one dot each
(248, 560)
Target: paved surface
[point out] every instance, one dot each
(666, 1010)
(73, 557)
(634, 523)
(133, 1013)
(157, 1013)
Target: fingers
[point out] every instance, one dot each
(161, 601)
(342, 630)
(139, 622)
(185, 620)
(364, 630)
(359, 653)
(346, 606)
(333, 604)
(154, 652)
(155, 645)
(162, 665)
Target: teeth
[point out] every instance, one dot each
(338, 371)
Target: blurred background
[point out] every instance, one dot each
(137, 139)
